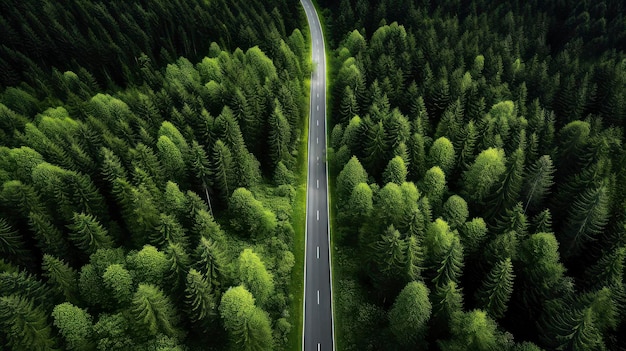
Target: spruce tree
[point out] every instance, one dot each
(495, 292)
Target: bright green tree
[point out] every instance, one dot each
(410, 313)
(451, 264)
(473, 330)
(250, 216)
(172, 160)
(352, 174)
(455, 211)
(222, 169)
(212, 262)
(119, 282)
(75, 325)
(442, 154)
(433, 184)
(483, 174)
(254, 276)
(149, 265)
(248, 326)
(395, 172)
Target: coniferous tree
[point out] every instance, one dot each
(199, 297)
(24, 324)
(409, 314)
(495, 292)
(153, 311)
(62, 277)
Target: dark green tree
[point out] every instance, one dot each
(495, 292)
(24, 325)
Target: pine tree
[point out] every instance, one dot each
(88, 234)
(483, 174)
(389, 258)
(199, 297)
(508, 191)
(279, 136)
(24, 325)
(414, 259)
(248, 325)
(352, 174)
(495, 292)
(442, 154)
(61, 277)
(451, 265)
(153, 311)
(538, 182)
(417, 156)
(119, 282)
(410, 313)
(455, 211)
(11, 243)
(254, 276)
(395, 172)
(586, 218)
(222, 169)
(75, 325)
(178, 262)
(212, 263)
(171, 158)
(608, 271)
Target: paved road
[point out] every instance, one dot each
(318, 317)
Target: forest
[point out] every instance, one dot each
(479, 174)
(148, 163)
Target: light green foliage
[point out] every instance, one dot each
(247, 325)
(361, 202)
(410, 313)
(352, 174)
(483, 174)
(447, 299)
(455, 211)
(112, 332)
(442, 154)
(253, 275)
(450, 264)
(438, 240)
(24, 325)
(172, 159)
(473, 331)
(396, 171)
(252, 218)
(541, 266)
(153, 311)
(119, 282)
(75, 325)
(148, 265)
(496, 290)
(434, 185)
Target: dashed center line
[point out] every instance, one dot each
(318, 107)
(318, 252)
(318, 297)
(317, 140)
(318, 215)
(318, 183)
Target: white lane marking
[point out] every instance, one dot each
(318, 297)
(318, 94)
(318, 252)
(318, 215)
(318, 122)
(318, 107)
(318, 183)
(318, 346)
(318, 158)
(317, 140)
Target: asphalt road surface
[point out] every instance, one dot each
(318, 315)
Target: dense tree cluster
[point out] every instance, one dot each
(157, 216)
(478, 155)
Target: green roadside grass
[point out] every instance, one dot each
(296, 287)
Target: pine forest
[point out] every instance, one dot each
(153, 174)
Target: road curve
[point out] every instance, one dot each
(318, 328)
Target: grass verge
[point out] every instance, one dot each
(296, 287)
